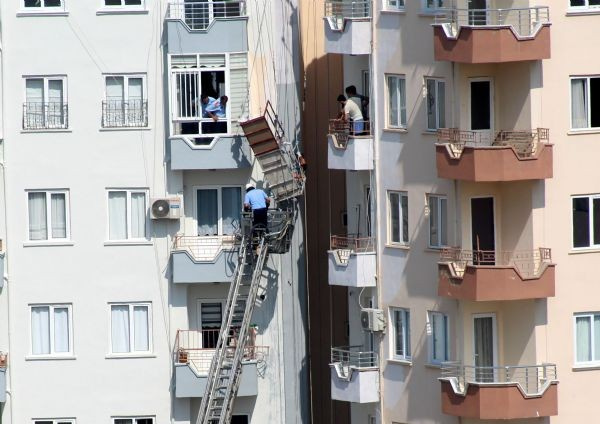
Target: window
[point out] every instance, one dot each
(124, 3)
(125, 103)
(432, 5)
(587, 338)
(398, 217)
(218, 210)
(43, 4)
(211, 318)
(51, 330)
(131, 328)
(436, 107)
(45, 104)
(208, 94)
(586, 221)
(584, 4)
(401, 333)
(55, 421)
(395, 4)
(48, 215)
(396, 101)
(134, 420)
(438, 219)
(585, 102)
(127, 214)
(437, 332)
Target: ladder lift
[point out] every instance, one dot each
(286, 179)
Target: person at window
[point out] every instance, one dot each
(351, 113)
(217, 111)
(205, 101)
(258, 202)
(359, 99)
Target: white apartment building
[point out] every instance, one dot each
(109, 309)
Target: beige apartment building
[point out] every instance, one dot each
(459, 283)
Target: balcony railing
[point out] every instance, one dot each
(533, 379)
(197, 348)
(346, 245)
(203, 247)
(527, 263)
(198, 15)
(43, 116)
(348, 9)
(524, 142)
(342, 130)
(354, 357)
(524, 21)
(119, 114)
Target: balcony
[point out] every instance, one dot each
(3, 364)
(348, 26)
(485, 276)
(354, 375)
(506, 156)
(121, 114)
(192, 363)
(45, 116)
(199, 26)
(492, 35)
(221, 152)
(348, 149)
(499, 393)
(352, 261)
(197, 259)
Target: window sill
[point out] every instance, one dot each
(50, 358)
(398, 246)
(395, 130)
(405, 362)
(584, 250)
(394, 11)
(129, 243)
(432, 249)
(582, 12)
(31, 13)
(130, 356)
(432, 365)
(108, 11)
(48, 243)
(48, 130)
(430, 132)
(584, 131)
(586, 367)
(430, 14)
(108, 129)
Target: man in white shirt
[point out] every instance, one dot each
(351, 112)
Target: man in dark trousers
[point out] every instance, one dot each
(258, 202)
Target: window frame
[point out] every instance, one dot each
(442, 224)
(122, 6)
(585, 7)
(436, 106)
(126, 77)
(132, 352)
(404, 238)
(594, 361)
(426, 9)
(591, 244)
(65, 102)
(129, 192)
(587, 79)
(54, 420)
(406, 342)
(133, 419)
(199, 304)
(219, 189)
(49, 239)
(51, 307)
(402, 96)
(431, 337)
(395, 5)
(41, 7)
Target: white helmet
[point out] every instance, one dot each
(249, 186)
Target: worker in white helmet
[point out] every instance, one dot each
(258, 202)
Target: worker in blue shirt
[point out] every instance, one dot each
(258, 202)
(217, 110)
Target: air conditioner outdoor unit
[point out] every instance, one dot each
(169, 208)
(372, 319)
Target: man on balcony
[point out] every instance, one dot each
(351, 113)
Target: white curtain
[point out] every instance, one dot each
(34, 90)
(207, 210)
(58, 215)
(231, 208)
(579, 107)
(135, 89)
(38, 225)
(61, 330)
(120, 328)
(140, 331)
(583, 335)
(138, 215)
(117, 215)
(56, 116)
(135, 94)
(40, 330)
(115, 90)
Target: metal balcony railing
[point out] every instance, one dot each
(526, 143)
(197, 348)
(198, 14)
(45, 115)
(343, 130)
(347, 9)
(354, 357)
(119, 114)
(533, 379)
(527, 263)
(524, 21)
(344, 246)
(203, 248)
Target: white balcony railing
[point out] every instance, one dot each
(203, 248)
(45, 115)
(343, 130)
(524, 21)
(533, 379)
(119, 114)
(199, 15)
(346, 359)
(344, 246)
(347, 9)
